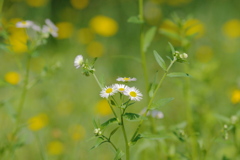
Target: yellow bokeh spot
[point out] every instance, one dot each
(12, 78)
(65, 30)
(177, 2)
(38, 122)
(79, 4)
(36, 3)
(77, 132)
(231, 28)
(103, 108)
(169, 26)
(194, 26)
(204, 53)
(95, 49)
(104, 26)
(55, 148)
(85, 35)
(235, 96)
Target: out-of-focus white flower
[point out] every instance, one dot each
(133, 93)
(36, 27)
(120, 87)
(24, 24)
(184, 56)
(50, 28)
(108, 91)
(78, 61)
(126, 79)
(153, 113)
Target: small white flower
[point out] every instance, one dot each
(133, 93)
(78, 61)
(108, 91)
(24, 24)
(183, 56)
(126, 79)
(157, 114)
(97, 131)
(50, 28)
(120, 87)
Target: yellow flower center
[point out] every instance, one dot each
(24, 22)
(121, 89)
(126, 79)
(109, 90)
(133, 94)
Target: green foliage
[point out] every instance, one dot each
(160, 61)
(135, 19)
(119, 155)
(178, 74)
(149, 37)
(132, 117)
(108, 122)
(160, 103)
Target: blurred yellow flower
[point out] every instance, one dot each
(36, 3)
(104, 26)
(18, 41)
(79, 4)
(194, 26)
(204, 53)
(65, 30)
(177, 2)
(76, 132)
(231, 28)
(85, 35)
(38, 122)
(95, 49)
(103, 108)
(235, 96)
(169, 26)
(55, 148)
(12, 78)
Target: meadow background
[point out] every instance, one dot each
(61, 103)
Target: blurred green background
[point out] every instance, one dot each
(62, 103)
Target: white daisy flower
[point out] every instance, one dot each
(36, 27)
(126, 79)
(24, 24)
(133, 93)
(78, 61)
(108, 91)
(120, 87)
(50, 28)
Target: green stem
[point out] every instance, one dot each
(142, 52)
(125, 137)
(110, 142)
(113, 111)
(99, 84)
(154, 94)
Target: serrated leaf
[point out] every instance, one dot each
(172, 48)
(161, 102)
(135, 19)
(113, 131)
(132, 116)
(119, 154)
(149, 37)
(178, 74)
(110, 121)
(159, 60)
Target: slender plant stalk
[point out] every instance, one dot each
(99, 84)
(151, 100)
(110, 142)
(125, 136)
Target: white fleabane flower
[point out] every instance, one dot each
(36, 27)
(133, 93)
(78, 61)
(24, 24)
(126, 79)
(120, 87)
(50, 28)
(108, 91)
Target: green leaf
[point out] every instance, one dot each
(112, 103)
(135, 19)
(159, 60)
(153, 136)
(113, 131)
(169, 34)
(153, 85)
(178, 74)
(119, 154)
(161, 102)
(172, 48)
(149, 37)
(99, 142)
(135, 139)
(110, 121)
(132, 116)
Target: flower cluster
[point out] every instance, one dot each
(87, 67)
(46, 30)
(132, 92)
(181, 57)
(97, 132)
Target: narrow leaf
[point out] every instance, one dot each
(159, 60)
(153, 85)
(134, 141)
(98, 144)
(132, 116)
(119, 154)
(110, 121)
(153, 136)
(113, 131)
(135, 19)
(161, 103)
(169, 34)
(172, 48)
(178, 74)
(149, 37)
